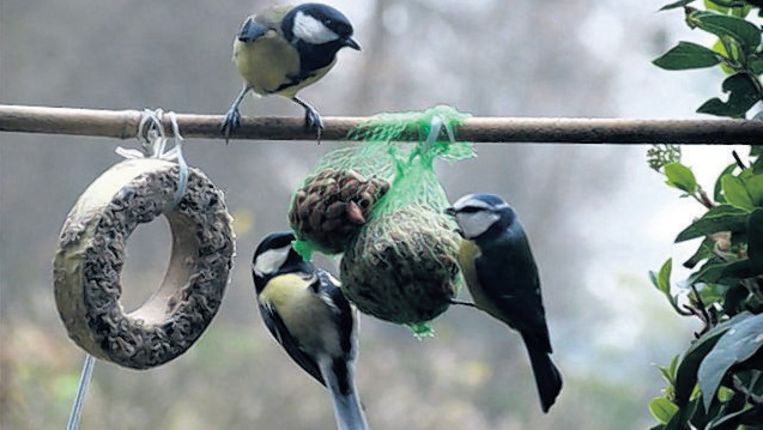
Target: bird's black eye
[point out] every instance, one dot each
(470, 209)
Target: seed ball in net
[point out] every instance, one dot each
(330, 208)
(403, 266)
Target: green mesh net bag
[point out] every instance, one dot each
(402, 265)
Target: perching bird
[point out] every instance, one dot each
(306, 312)
(284, 49)
(502, 277)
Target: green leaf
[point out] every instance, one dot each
(716, 7)
(679, 420)
(739, 269)
(735, 192)
(663, 278)
(717, 195)
(673, 366)
(686, 376)
(704, 251)
(687, 55)
(661, 281)
(681, 177)
(755, 63)
(742, 12)
(713, 272)
(757, 165)
(677, 4)
(744, 32)
(720, 48)
(743, 95)
(718, 218)
(725, 394)
(669, 372)
(701, 417)
(662, 409)
(735, 7)
(710, 293)
(739, 343)
(754, 186)
(732, 420)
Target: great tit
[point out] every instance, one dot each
(284, 49)
(306, 312)
(502, 277)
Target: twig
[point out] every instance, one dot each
(749, 395)
(701, 310)
(739, 161)
(460, 303)
(124, 125)
(702, 197)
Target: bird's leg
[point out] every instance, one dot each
(233, 117)
(312, 117)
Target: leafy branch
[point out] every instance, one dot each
(737, 52)
(716, 383)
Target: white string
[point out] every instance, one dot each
(79, 397)
(434, 132)
(154, 145)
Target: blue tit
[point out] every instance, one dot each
(284, 49)
(306, 312)
(502, 277)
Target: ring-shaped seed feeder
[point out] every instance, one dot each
(91, 254)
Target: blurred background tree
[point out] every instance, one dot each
(596, 217)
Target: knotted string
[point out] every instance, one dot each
(154, 145)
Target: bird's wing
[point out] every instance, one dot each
(258, 25)
(343, 313)
(278, 329)
(273, 16)
(509, 279)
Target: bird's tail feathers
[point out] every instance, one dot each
(347, 408)
(547, 377)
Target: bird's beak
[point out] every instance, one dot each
(352, 43)
(450, 211)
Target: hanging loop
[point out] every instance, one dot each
(154, 140)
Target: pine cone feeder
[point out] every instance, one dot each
(332, 206)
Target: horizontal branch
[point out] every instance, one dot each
(124, 124)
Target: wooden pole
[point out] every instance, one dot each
(124, 125)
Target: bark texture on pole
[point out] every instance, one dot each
(124, 124)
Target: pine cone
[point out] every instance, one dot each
(332, 206)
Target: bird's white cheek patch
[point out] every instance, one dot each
(270, 261)
(474, 224)
(311, 30)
